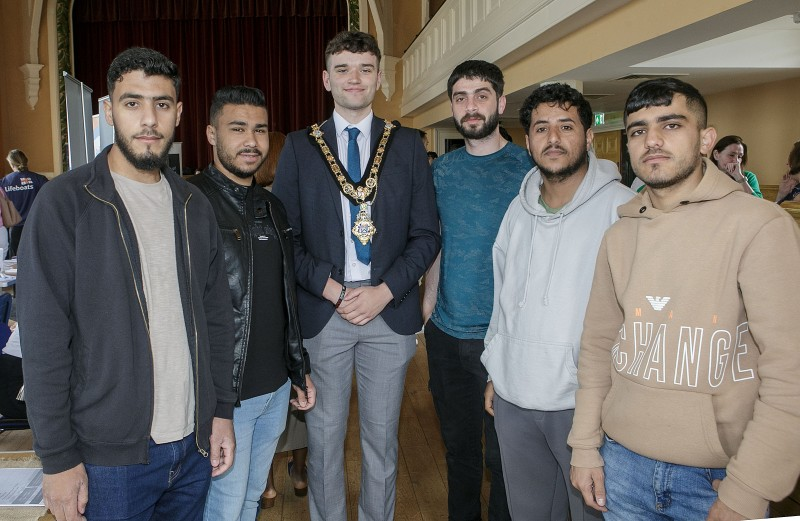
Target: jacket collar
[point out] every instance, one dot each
(221, 182)
(101, 183)
(328, 128)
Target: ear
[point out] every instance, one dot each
(589, 139)
(211, 135)
(501, 104)
(179, 106)
(528, 144)
(708, 137)
(715, 155)
(380, 79)
(326, 80)
(107, 112)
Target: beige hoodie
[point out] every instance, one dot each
(694, 307)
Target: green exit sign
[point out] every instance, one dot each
(599, 118)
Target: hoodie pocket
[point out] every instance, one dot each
(663, 424)
(532, 374)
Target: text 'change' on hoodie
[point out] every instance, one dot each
(543, 267)
(689, 352)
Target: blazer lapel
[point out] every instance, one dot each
(329, 136)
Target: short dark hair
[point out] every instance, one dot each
(235, 95)
(727, 141)
(352, 41)
(659, 93)
(556, 93)
(479, 69)
(151, 62)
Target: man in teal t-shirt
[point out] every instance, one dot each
(474, 186)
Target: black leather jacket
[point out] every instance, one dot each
(228, 200)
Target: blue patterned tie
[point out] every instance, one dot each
(354, 172)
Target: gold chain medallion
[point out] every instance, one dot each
(363, 191)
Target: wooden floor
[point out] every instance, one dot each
(422, 473)
(422, 476)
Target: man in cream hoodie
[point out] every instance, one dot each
(689, 399)
(543, 264)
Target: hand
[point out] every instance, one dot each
(223, 445)
(787, 185)
(305, 399)
(720, 511)
(734, 170)
(488, 398)
(591, 483)
(67, 493)
(427, 310)
(360, 305)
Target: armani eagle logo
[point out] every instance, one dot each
(658, 303)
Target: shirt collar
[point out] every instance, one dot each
(365, 125)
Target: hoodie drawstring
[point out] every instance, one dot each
(546, 298)
(530, 259)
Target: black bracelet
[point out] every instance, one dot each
(341, 297)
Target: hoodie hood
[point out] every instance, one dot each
(600, 173)
(714, 185)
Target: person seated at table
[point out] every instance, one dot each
(789, 189)
(11, 374)
(730, 156)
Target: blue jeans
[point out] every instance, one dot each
(171, 487)
(457, 382)
(640, 488)
(258, 425)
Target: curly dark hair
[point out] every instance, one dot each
(556, 93)
(151, 62)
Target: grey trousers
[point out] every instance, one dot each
(380, 358)
(535, 456)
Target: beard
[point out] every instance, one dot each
(148, 161)
(485, 130)
(227, 160)
(683, 171)
(558, 176)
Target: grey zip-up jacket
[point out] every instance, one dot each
(86, 355)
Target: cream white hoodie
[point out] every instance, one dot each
(543, 266)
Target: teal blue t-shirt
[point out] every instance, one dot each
(472, 195)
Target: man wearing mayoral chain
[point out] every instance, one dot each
(361, 204)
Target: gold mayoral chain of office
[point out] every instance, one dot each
(364, 191)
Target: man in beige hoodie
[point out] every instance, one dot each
(689, 401)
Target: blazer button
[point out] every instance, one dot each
(341, 233)
(340, 271)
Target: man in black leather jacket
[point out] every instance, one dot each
(268, 353)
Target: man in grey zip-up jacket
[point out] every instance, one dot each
(543, 265)
(128, 349)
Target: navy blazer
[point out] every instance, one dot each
(404, 212)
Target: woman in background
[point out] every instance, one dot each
(789, 189)
(730, 155)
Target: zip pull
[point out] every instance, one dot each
(238, 234)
